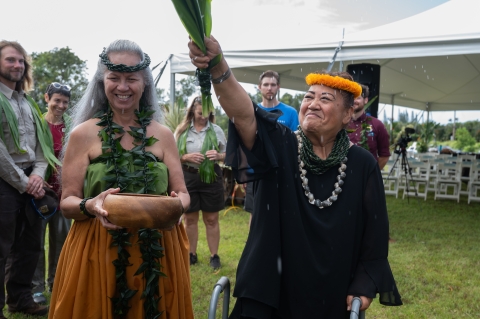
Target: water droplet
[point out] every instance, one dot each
(218, 97)
(233, 120)
(447, 56)
(301, 69)
(123, 111)
(428, 78)
(268, 206)
(375, 216)
(279, 264)
(93, 102)
(415, 66)
(349, 212)
(354, 72)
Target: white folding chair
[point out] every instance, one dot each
(390, 176)
(448, 183)
(474, 183)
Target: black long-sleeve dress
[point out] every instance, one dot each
(301, 261)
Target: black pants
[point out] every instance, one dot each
(19, 247)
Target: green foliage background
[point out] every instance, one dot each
(58, 65)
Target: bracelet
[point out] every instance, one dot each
(222, 77)
(84, 210)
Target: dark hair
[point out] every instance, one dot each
(62, 90)
(347, 96)
(365, 90)
(189, 115)
(26, 83)
(271, 74)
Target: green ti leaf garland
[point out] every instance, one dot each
(116, 159)
(210, 142)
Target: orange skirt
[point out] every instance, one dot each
(85, 277)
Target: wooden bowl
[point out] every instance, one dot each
(142, 210)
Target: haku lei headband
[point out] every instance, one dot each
(335, 82)
(122, 67)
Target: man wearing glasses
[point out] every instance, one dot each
(22, 172)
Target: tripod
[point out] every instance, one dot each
(407, 170)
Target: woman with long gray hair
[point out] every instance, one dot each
(105, 270)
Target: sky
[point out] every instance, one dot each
(86, 27)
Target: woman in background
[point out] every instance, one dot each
(200, 140)
(57, 98)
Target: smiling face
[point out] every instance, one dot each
(124, 89)
(12, 66)
(57, 104)
(323, 112)
(359, 104)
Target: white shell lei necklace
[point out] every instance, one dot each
(337, 186)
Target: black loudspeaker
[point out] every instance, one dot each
(369, 75)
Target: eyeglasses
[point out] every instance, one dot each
(57, 85)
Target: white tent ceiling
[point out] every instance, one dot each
(432, 58)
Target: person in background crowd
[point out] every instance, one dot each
(57, 97)
(196, 132)
(269, 85)
(367, 131)
(23, 146)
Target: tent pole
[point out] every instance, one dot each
(454, 122)
(172, 90)
(391, 122)
(428, 112)
(337, 49)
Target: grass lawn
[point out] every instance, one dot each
(435, 259)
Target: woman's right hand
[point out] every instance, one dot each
(95, 207)
(196, 158)
(198, 58)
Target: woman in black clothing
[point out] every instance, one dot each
(319, 235)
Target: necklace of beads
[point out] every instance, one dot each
(303, 172)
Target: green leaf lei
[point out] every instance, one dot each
(366, 128)
(116, 159)
(315, 164)
(210, 142)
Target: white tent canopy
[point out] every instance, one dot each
(430, 61)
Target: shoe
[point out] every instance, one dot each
(215, 262)
(33, 310)
(193, 259)
(39, 298)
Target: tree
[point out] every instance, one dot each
(427, 131)
(464, 141)
(58, 65)
(185, 88)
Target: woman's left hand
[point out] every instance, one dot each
(213, 155)
(365, 302)
(174, 194)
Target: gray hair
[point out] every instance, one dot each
(94, 98)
